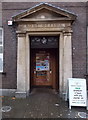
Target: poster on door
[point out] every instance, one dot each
(77, 92)
(42, 65)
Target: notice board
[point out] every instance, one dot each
(77, 92)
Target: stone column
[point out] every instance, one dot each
(21, 65)
(67, 55)
(61, 59)
(27, 84)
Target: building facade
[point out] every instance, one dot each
(42, 44)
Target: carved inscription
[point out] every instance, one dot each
(43, 25)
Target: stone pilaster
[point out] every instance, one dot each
(21, 63)
(27, 84)
(61, 59)
(67, 63)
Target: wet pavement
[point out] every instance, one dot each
(42, 103)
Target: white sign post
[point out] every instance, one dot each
(77, 92)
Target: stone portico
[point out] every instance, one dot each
(43, 19)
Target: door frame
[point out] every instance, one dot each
(23, 52)
(56, 87)
(54, 25)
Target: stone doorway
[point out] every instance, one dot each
(65, 63)
(41, 21)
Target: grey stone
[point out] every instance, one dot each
(20, 95)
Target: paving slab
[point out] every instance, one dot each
(41, 103)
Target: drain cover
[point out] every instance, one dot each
(83, 115)
(6, 108)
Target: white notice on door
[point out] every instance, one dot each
(77, 92)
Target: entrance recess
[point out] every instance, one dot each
(44, 61)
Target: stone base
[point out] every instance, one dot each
(20, 94)
(64, 96)
(7, 92)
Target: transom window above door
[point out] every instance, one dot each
(44, 41)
